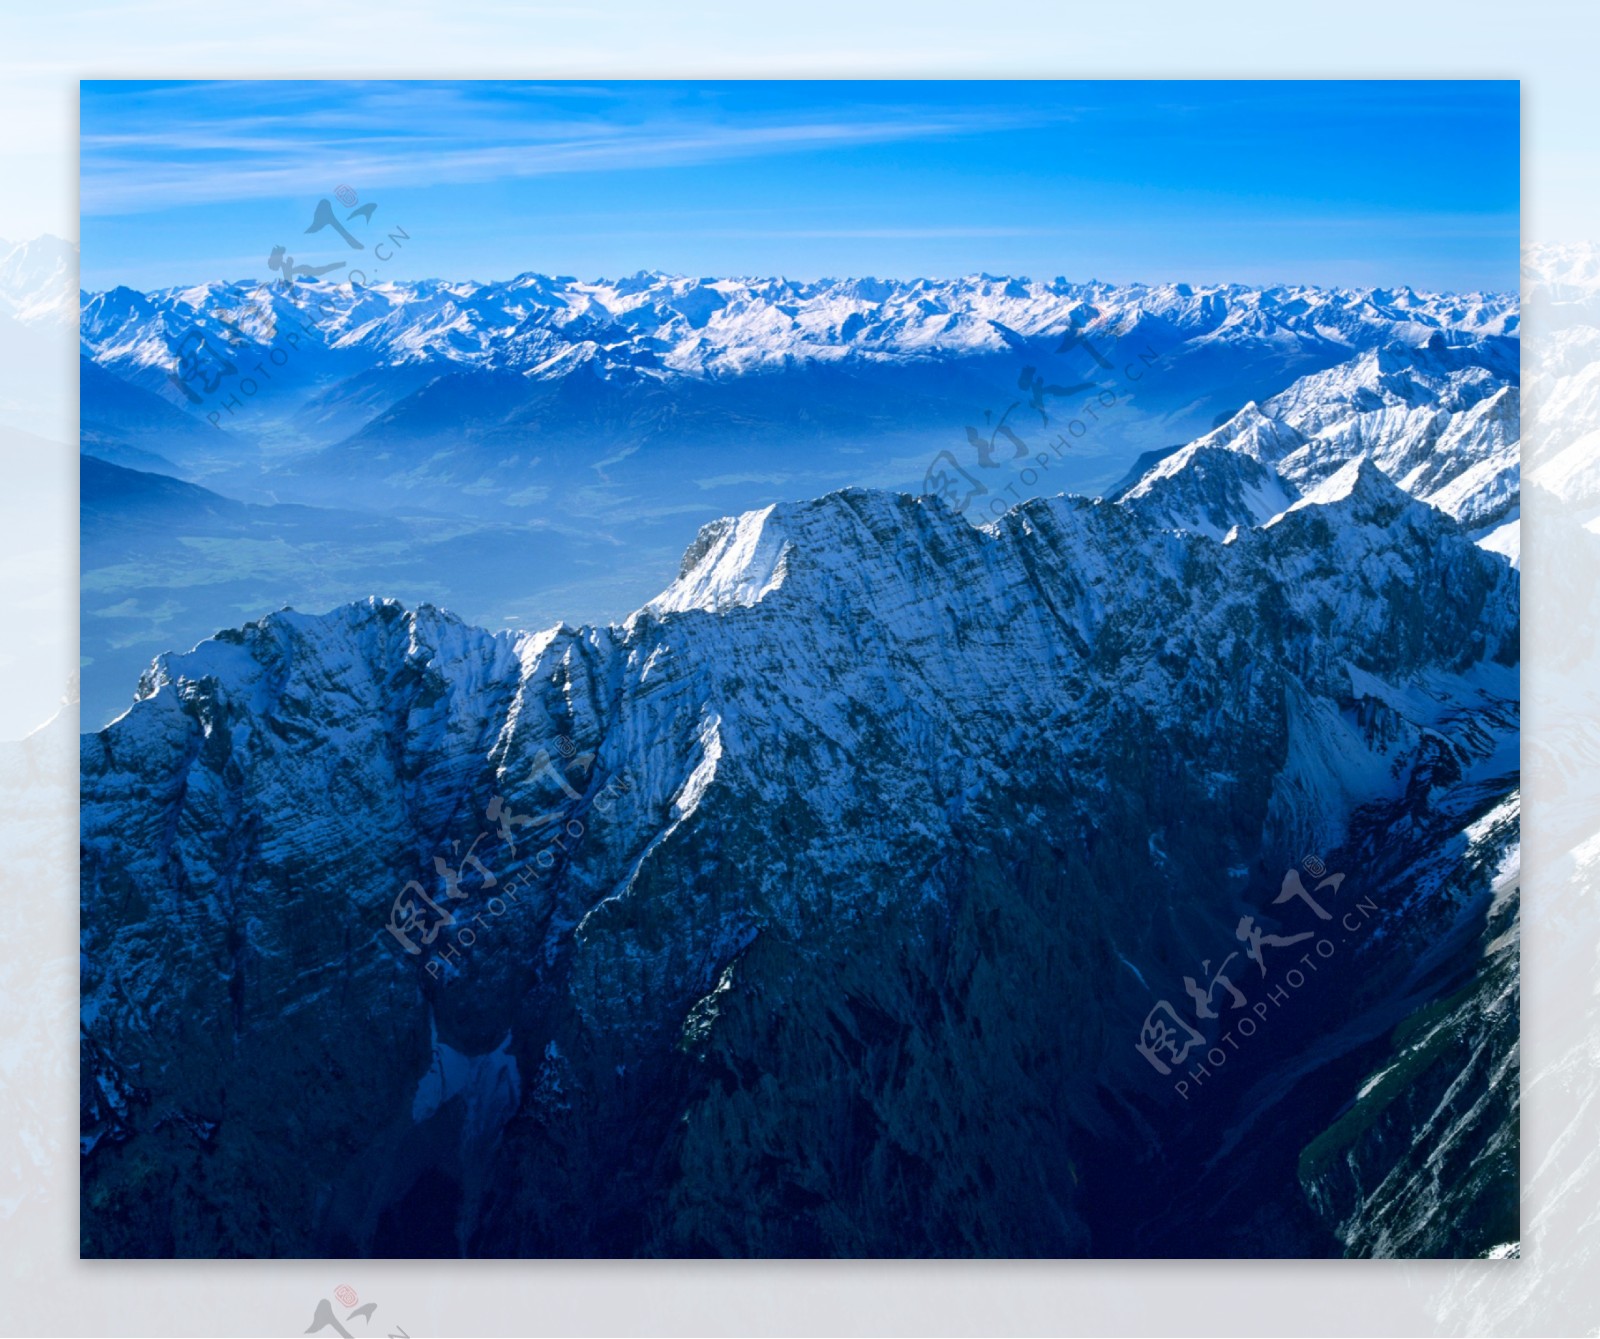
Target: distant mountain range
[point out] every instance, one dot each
(659, 326)
(598, 419)
(529, 378)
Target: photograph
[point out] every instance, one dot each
(784, 669)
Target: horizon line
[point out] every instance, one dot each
(600, 281)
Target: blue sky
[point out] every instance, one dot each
(1382, 183)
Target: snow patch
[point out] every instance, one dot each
(489, 1083)
(744, 563)
(1506, 541)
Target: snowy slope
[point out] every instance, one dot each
(1441, 420)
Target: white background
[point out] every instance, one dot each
(45, 1289)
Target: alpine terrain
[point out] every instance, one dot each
(1125, 864)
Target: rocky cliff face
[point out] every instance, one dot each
(814, 910)
(1424, 1160)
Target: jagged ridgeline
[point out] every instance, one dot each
(888, 886)
(545, 449)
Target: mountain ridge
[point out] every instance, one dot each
(666, 325)
(866, 749)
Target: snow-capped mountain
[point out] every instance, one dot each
(468, 396)
(658, 326)
(445, 386)
(835, 883)
(1559, 1052)
(38, 285)
(1442, 422)
(602, 418)
(38, 280)
(819, 904)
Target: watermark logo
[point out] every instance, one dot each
(1167, 1038)
(416, 918)
(948, 480)
(326, 1318)
(205, 367)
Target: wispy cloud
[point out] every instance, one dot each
(174, 149)
(887, 234)
(806, 178)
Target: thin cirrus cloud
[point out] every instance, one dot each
(129, 172)
(883, 234)
(1296, 181)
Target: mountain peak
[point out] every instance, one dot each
(38, 278)
(1209, 489)
(1368, 491)
(736, 560)
(741, 560)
